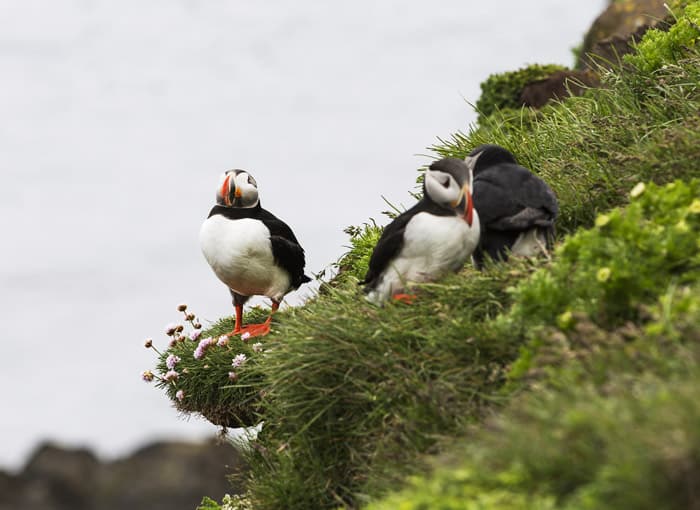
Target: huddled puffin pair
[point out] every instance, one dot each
(484, 205)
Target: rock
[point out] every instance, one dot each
(612, 33)
(164, 475)
(558, 85)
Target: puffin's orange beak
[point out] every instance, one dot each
(224, 191)
(468, 206)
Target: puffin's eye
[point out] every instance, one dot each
(445, 181)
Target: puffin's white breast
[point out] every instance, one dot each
(432, 247)
(240, 253)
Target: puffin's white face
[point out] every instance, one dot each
(237, 188)
(471, 162)
(443, 188)
(451, 191)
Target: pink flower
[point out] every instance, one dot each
(148, 343)
(232, 376)
(223, 340)
(171, 361)
(147, 375)
(180, 395)
(245, 336)
(195, 334)
(170, 329)
(201, 349)
(171, 375)
(239, 360)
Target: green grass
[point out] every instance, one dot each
(565, 379)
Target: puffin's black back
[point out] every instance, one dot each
(286, 250)
(510, 200)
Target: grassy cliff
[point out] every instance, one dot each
(563, 383)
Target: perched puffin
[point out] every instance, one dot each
(517, 209)
(430, 239)
(250, 250)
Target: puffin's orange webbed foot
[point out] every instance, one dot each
(405, 298)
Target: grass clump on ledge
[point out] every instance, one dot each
(566, 361)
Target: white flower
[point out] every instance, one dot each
(239, 360)
(257, 347)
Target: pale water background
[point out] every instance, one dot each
(116, 119)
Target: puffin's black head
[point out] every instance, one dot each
(237, 188)
(487, 155)
(448, 184)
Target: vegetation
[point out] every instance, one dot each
(502, 91)
(568, 383)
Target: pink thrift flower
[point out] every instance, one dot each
(195, 334)
(245, 336)
(201, 349)
(170, 329)
(172, 343)
(223, 340)
(171, 361)
(232, 376)
(147, 375)
(257, 347)
(239, 360)
(171, 375)
(180, 395)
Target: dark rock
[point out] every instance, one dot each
(558, 85)
(161, 476)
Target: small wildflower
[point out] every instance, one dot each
(565, 320)
(195, 335)
(147, 375)
(257, 347)
(170, 329)
(245, 336)
(682, 226)
(223, 340)
(172, 343)
(232, 376)
(201, 349)
(180, 395)
(148, 343)
(602, 220)
(189, 317)
(182, 307)
(179, 328)
(638, 190)
(603, 274)
(172, 360)
(694, 207)
(238, 360)
(171, 375)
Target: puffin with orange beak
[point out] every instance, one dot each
(250, 250)
(432, 238)
(517, 208)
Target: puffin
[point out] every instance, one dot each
(432, 238)
(250, 250)
(517, 209)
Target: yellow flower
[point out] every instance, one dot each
(603, 274)
(694, 208)
(638, 190)
(602, 220)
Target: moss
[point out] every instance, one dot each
(502, 91)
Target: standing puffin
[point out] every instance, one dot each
(250, 250)
(517, 209)
(432, 238)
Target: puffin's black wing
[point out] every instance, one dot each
(286, 250)
(510, 197)
(391, 240)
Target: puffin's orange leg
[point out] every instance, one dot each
(239, 319)
(263, 329)
(405, 298)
